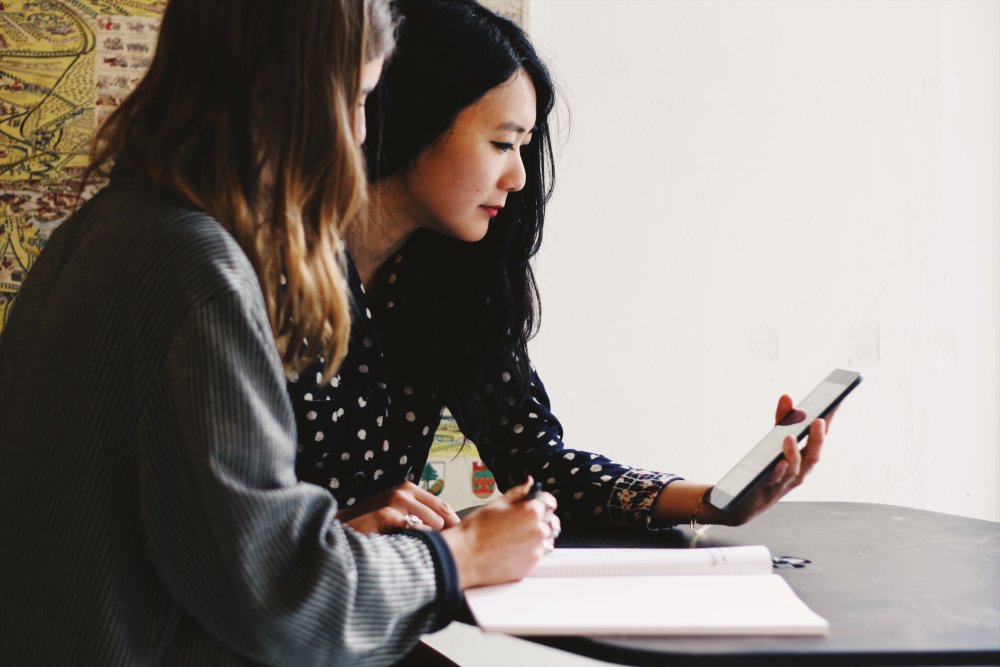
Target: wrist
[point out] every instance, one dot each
(679, 501)
(699, 527)
(459, 543)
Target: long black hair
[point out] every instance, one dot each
(472, 307)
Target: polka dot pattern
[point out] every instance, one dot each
(363, 432)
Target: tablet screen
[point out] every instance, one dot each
(761, 459)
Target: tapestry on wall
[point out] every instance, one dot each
(63, 67)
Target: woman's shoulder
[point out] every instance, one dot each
(165, 241)
(137, 213)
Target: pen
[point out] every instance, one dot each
(535, 489)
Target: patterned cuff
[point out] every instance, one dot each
(633, 496)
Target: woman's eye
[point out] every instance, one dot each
(503, 146)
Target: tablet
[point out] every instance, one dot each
(760, 461)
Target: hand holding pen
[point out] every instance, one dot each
(555, 526)
(501, 541)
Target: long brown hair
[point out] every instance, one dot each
(247, 113)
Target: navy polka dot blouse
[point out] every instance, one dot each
(360, 434)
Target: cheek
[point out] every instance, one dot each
(472, 169)
(455, 181)
(459, 187)
(477, 179)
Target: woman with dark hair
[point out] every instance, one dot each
(460, 168)
(148, 499)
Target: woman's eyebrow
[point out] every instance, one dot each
(514, 127)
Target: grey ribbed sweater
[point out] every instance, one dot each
(149, 511)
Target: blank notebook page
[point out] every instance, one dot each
(644, 605)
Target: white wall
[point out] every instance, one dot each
(750, 194)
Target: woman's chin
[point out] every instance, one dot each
(473, 234)
(471, 231)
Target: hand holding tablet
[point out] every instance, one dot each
(760, 462)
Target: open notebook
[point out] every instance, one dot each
(716, 591)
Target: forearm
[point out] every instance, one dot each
(256, 558)
(677, 502)
(529, 440)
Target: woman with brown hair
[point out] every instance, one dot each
(148, 498)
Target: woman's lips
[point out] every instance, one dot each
(494, 211)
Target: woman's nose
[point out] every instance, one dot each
(514, 177)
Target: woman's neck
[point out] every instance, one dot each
(390, 224)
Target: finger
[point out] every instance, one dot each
(451, 516)
(548, 546)
(555, 525)
(548, 500)
(552, 527)
(438, 506)
(780, 470)
(517, 493)
(433, 511)
(814, 445)
(426, 514)
(408, 498)
(792, 455)
(785, 405)
(411, 521)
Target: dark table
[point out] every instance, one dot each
(899, 586)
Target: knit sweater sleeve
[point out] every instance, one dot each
(253, 556)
